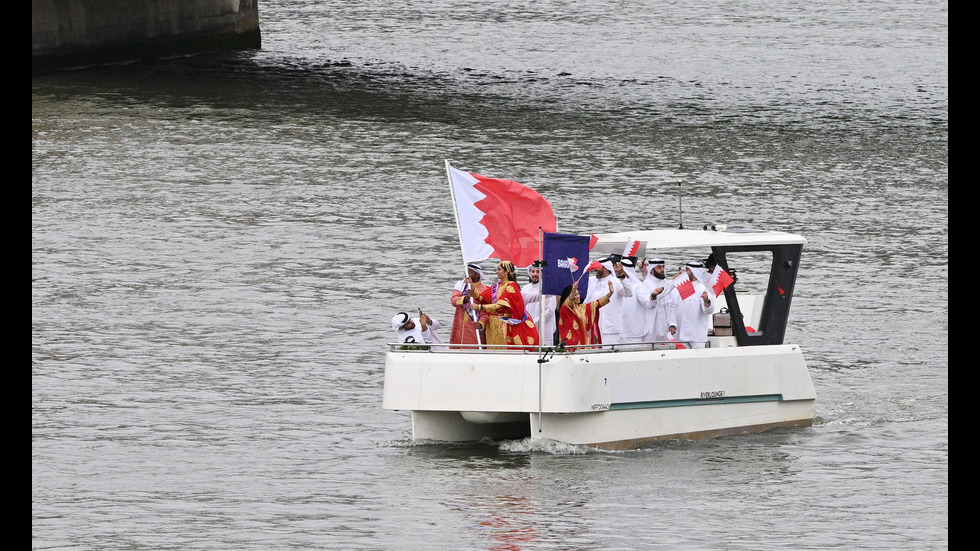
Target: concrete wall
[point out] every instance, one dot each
(79, 32)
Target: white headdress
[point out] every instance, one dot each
(400, 319)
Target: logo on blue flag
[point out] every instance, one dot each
(557, 249)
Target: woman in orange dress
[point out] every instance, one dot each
(509, 323)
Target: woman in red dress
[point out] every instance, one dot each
(578, 324)
(509, 322)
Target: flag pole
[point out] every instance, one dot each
(459, 234)
(459, 231)
(541, 319)
(541, 283)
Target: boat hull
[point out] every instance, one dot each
(626, 429)
(611, 399)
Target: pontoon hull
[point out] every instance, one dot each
(606, 399)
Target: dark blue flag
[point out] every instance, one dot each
(558, 248)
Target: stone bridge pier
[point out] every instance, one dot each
(69, 33)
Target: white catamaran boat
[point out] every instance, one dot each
(621, 396)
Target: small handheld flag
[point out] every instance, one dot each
(685, 288)
(594, 265)
(632, 247)
(719, 280)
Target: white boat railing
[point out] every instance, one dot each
(511, 349)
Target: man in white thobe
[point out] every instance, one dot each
(654, 299)
(611, 315)
(532, 305)
(638, 309)
(693, 314)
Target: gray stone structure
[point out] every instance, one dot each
(84, 32)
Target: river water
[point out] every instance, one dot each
(218, 245)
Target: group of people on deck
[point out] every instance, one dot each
(635, 302)
(492, 314)
(628, 302)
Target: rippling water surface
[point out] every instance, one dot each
(218, 245)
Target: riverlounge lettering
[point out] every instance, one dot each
(713, 394)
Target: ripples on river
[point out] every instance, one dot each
(217, 245)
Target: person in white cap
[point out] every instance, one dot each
(531, 292)
(611, 318)
(464, 330)
(693, 314)
(420, 330)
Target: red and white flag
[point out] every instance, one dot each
(632, 247)
(592, 266)
(684, 286)
(592, 241)
(572, 264)
(498, 218)
(718, 280)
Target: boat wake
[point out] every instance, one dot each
(544, 445)
(522, 446)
